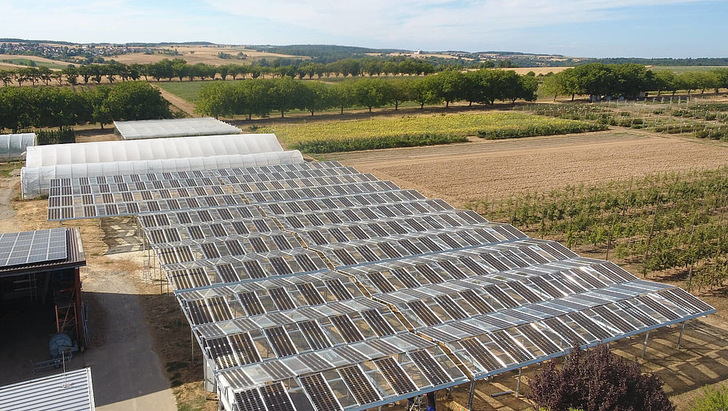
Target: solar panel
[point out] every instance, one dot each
(396, 377)
(31, 247)
(476, 350)
(276, 398)
(249, 400)
(280, 341)
(359, 385)
(254, 281)
(320, 392)
(429, 367)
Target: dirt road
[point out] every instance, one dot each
(178, 102)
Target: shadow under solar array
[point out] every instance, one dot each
(315, 287)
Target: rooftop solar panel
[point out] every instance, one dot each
(32, 247)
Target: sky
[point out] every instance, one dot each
(579, 28)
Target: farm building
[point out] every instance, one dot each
(70, 391)
(180, 127)
(40, 296)
(109, 158)
(13, 146)
(311, 286)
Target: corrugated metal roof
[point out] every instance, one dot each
(72, 391)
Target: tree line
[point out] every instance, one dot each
(629, 80)
(43, 107)
(262, 96)
(178, 68)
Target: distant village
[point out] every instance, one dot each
(86, 53)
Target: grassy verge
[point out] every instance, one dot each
(328, 137)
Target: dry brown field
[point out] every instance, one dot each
(497, 169)
(202, 54)
(537, 70)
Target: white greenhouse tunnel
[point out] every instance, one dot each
(108, 158)
(152, 149)
(14, 146)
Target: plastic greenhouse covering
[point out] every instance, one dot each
(36, 181)
(13, 146)
(153, 149)
(181, 127)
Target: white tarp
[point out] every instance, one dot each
(36, 181)
(13, 146)
(154, 149)
(179, 127)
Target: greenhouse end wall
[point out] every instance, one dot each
(14, 146)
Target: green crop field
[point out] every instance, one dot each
(327, 137)
(29, 62)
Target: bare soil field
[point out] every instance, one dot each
(496, 169)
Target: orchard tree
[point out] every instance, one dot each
(343, 94)
(597, 380)
(136, 100)
(425, 91)
(372, 92)
(450, 86)
(320, 97)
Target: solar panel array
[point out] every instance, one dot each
(31, 247)
(313, 286)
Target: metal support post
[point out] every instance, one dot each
(518, 385)
(472, 393)
(644, 346)
(682, 330)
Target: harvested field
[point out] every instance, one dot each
(201, 54)
(497, 169)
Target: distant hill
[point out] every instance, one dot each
(327, 53)
(323, 53)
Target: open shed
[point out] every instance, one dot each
(40, 292)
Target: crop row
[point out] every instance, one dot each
(700, 120)
(326, 137)
(663, 222)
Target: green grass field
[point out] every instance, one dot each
(683, 69)
(27, 62)
(330, 136)
(188, 90)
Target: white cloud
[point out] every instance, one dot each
(429, 21)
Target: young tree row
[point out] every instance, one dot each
(629, 80)
(24, 107)
(179, 69)
(263, 96)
